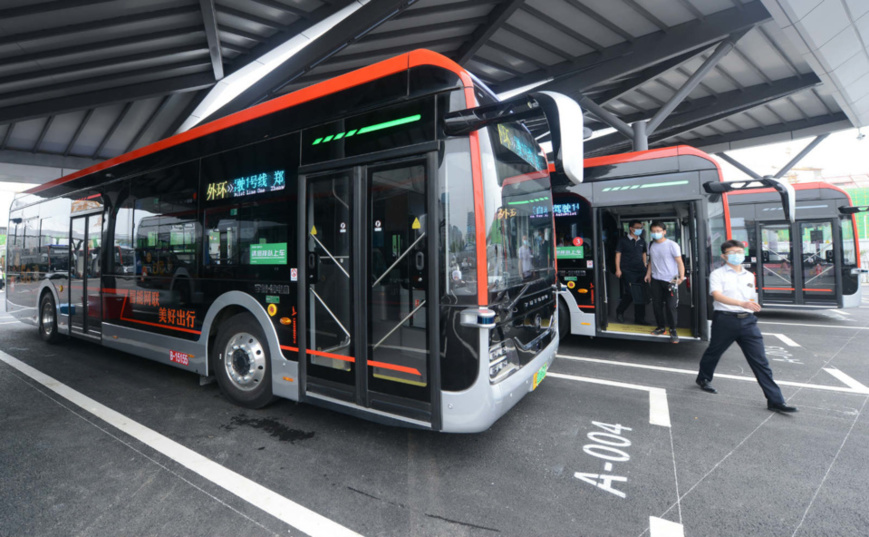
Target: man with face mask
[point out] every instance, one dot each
(630, 268)
(665, 274)
(732, 288)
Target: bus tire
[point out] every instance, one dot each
(563, 320)
(48, 319)
(241, 362)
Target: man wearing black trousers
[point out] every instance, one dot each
(666, 273)
(630, 268)
(732, 288)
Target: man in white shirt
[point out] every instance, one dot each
(732, 288)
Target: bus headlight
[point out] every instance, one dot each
(503, 361)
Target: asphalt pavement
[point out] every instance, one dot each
(616, 441)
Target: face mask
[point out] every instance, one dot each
(525, 242)
(638, 232)
(657, 236)
(735, 259)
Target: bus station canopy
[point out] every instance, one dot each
(86, 80)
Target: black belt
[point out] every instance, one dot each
(736, 314)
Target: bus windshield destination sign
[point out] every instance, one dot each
(520, 144)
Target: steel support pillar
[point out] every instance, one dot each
(641, 136)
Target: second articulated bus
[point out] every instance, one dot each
(678, 186)
(813, 262)
(360, 244)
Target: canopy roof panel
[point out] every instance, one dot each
(86, 80)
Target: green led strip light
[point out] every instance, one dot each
(648, 185)
(370, 128)
(527, 201)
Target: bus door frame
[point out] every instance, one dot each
(358, 168)
(601, 302)
(83, 328)
(799, 292)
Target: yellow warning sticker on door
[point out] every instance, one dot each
(313, 230)
(416, 224)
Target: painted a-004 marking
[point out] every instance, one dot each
(607, 448)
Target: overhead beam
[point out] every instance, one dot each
(783, 131)
(496, 18)
(699, 112)
(354, 27)
(21, 112)
(801, 155)
(722, 50)
(53, 160)
(209, 21)
(284, 34)
(738, 165)
(584, 72)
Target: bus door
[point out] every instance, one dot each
(693, 263)
(776, 278)
(371, 329)
(85, 311)
(820, 262)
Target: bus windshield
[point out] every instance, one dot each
(519, 246)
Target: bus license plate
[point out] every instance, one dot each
(538, 378)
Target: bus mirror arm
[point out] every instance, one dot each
(563, 115)
(854, 210)
(784, 189)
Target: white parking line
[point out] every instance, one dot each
(784, 338)
(853, 383)
(842, 312)
(659, 410)
(861, 390)
(11, 322)
(658, 527)
(269, 501)
(817, 325)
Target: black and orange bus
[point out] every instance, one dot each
(357, 244)
(681, 187)
(811, 263)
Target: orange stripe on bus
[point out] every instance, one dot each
(331, 355)
(819, 290)
(394, 367)
(777, 288)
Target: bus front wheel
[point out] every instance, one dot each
(563, 319)
(241, 362)
(48, 319)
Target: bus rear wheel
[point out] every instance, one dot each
(241, 362)
(48, 319)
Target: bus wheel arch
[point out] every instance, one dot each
(564, 320)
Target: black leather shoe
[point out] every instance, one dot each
(780, 407)
(705, 386)
(620, 317)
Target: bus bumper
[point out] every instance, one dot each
(476, 409)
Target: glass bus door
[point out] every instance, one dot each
(369, 306)
(84, 275)
(776, 265)
(818, 254)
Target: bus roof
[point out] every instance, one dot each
(814, 185)
(360, 76)
(651, 154)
